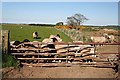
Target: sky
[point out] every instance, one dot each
(60, 0)
(98, 13)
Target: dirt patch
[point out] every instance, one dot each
(61, 72)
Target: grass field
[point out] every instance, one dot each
(18, 33)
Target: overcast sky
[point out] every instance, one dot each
(98, 13)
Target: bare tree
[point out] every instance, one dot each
(76, 20)
(71, 21)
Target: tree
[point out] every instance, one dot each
(71, 22)
(76, 20)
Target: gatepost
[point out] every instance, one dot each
(5, 41)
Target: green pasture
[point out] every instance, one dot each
(21, 32)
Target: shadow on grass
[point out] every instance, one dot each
(38, 38)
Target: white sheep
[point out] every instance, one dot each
(14, 44)
(35, 35)
(110, 38)
(99, 39)
(52, 36)
(35, 43)
(47, 40)
(57, 37)
(11, 42)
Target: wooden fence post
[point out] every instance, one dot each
(5, 41)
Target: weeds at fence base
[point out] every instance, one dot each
(9, 61)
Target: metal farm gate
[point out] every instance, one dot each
(64, 54)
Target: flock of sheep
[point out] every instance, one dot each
(52, 38)
(102, 39)
(56, 38)
(63, 48)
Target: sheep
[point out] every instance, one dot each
(28, 44)
(103, 39)
(52, 36)
(18, 44)
(35, 35)
(80, 50)
(57, 37)
(47, 40)
(50, 45)
(110, 38)
(25, 40)
(99, 39)
(11, 42)
(36, 43)
(14, 43)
